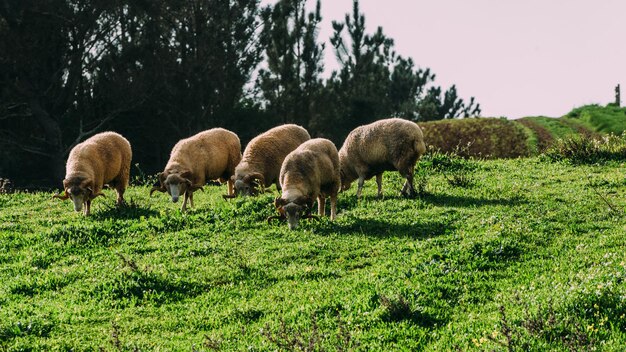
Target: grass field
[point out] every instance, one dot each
(508, 255)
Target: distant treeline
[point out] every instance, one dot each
(159, 71)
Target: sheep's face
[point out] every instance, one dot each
(345, 183)
(176, 185)
(244, 189)
(79, 190)
(79, 196)
(293, 213)
(249, 185)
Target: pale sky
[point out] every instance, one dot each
(518, 58)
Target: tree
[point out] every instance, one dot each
(435, 107)
(291, 82)
(155, 71)
(375, 83)
(49, 49)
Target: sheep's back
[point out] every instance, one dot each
(266, 152)
(214, 152)
(382, 142)
(105, 155)
(315, 162)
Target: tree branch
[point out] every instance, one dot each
(110, 116)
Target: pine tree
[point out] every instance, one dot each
(291, 82)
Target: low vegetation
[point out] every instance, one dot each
(529, 255)
(501, 138)
(482, 137)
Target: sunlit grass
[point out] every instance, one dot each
(525, 257)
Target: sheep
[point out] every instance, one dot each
(309, 172)
(208, 155)
(103, 159)
(384, 145)
(260, 165)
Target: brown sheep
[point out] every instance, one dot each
(385, 145)
(208, 155)
(260, 165)
(310, 172)
(101, 159)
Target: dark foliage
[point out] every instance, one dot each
(160, 71)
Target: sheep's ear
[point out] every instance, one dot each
(186, 174)
(304, 200)
(61, 197)
(255, 177)
(87, 185)
(161, 177)
(279, 202)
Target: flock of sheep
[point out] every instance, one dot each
(304, 169)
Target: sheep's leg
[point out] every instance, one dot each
(87, 206)
(191, 200)
(379, 182)
(360, 187)
(333, 206)
(120, 195)
(404, 187)
(184, 206)
(408, 189)
(321, 205)
(230, 184)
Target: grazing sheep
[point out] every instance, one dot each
(208, 155)
(260, 165)
(101, 159)
(309, 172)
(385, 145)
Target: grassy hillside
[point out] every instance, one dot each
(609, 119)
(527, 255)
(499, 138)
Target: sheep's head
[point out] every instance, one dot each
(176, 184)
(80, 190)
(293, 211)
(250, 185)
(345, 182)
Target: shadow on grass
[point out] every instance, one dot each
(386, 228)
(130, 210)
(139, 288)
(462, 201)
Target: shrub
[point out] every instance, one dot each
(588, 150)
(484, 137)
(457, 170)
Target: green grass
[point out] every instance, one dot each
(556, 127)
(527, 256)
(609, 119)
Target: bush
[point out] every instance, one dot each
(457, 170)
(484, 137)
(588, 150)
